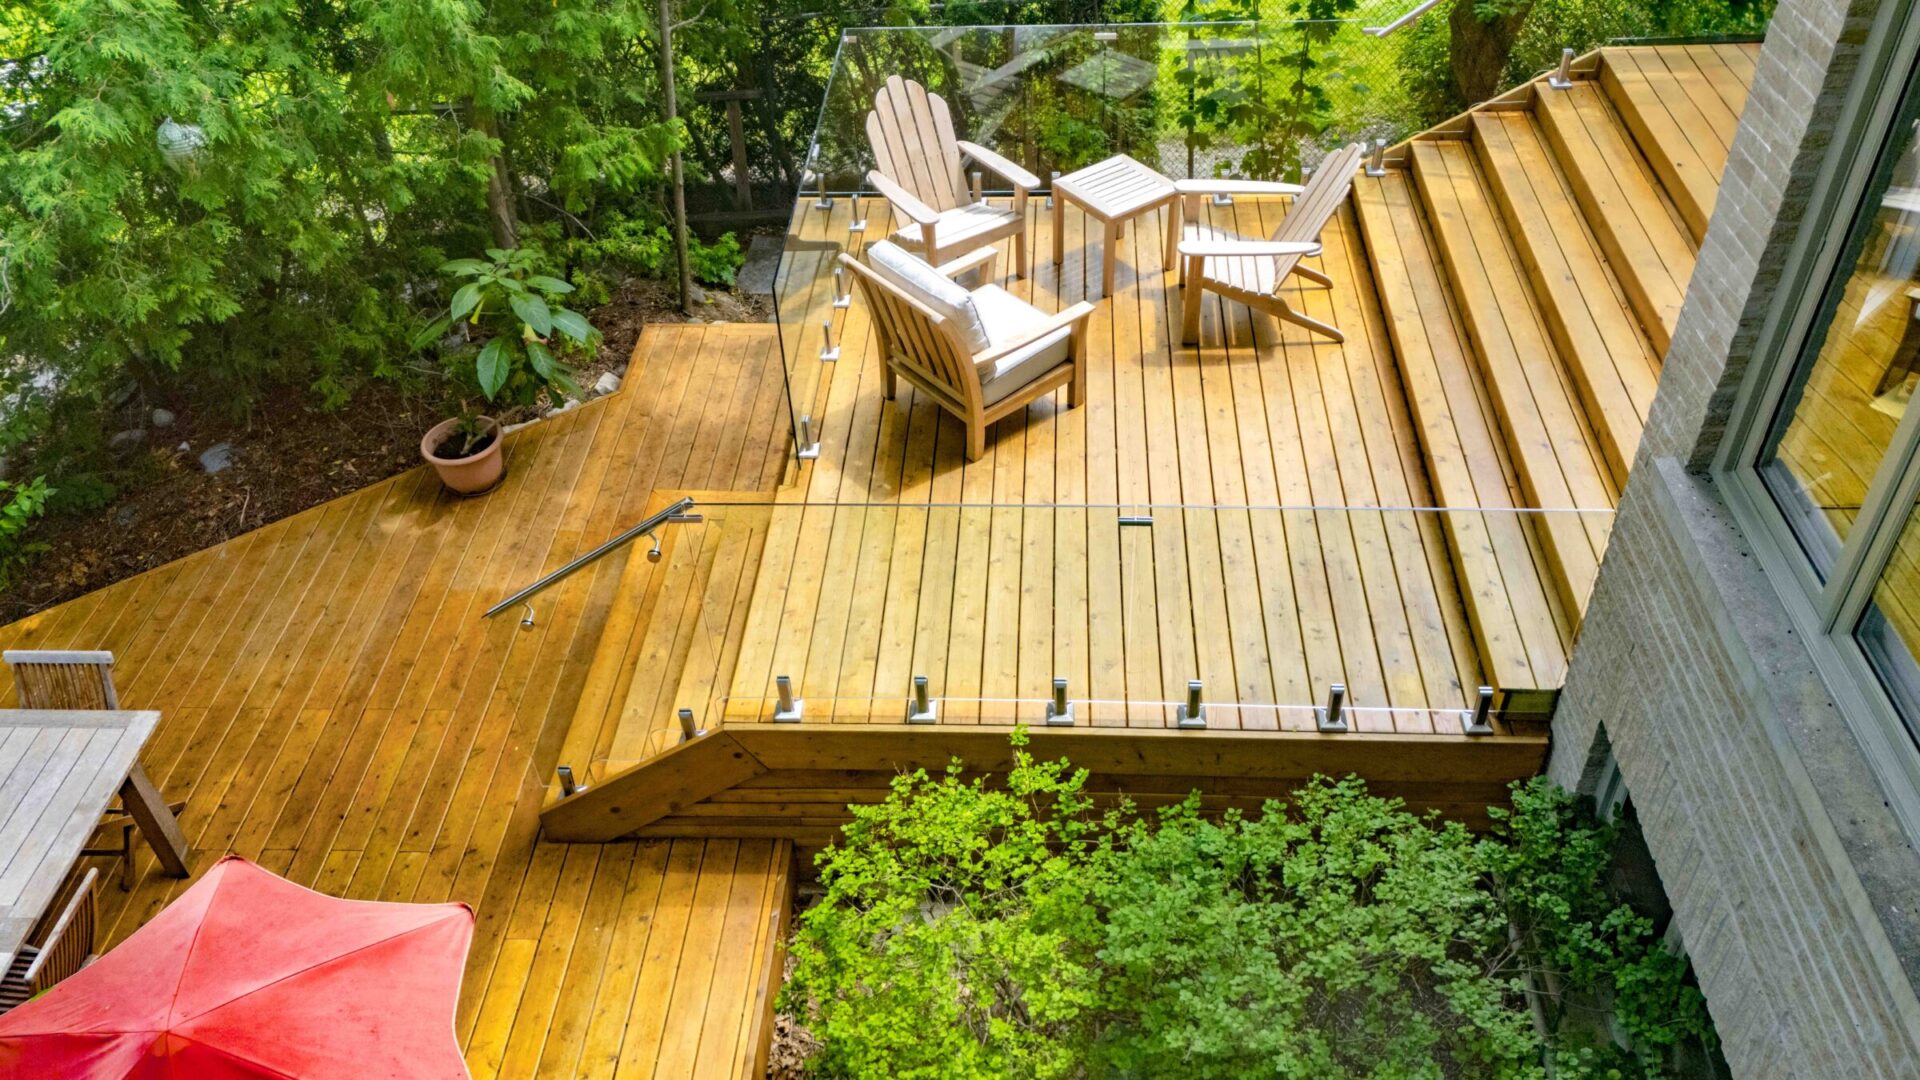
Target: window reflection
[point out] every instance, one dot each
(1889, 632)
(1839, 417)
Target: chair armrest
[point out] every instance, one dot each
(1064, 318)
(1230, 186)
(902, 199)
(953, 268)
(1017, 176)
(1232, 248)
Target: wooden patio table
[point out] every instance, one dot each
(59, 770)
(1111, 192)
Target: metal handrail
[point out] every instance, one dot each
(1382, 31)
(649, 525)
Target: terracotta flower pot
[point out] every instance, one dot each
(471, 475)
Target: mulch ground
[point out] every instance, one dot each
(288, 455)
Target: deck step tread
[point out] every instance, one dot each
(1611, 360)
(1675, 101)
(1642, 234)
(1555, 453)
(1517, 619)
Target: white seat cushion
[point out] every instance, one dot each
(913, 276)
(1008, 319)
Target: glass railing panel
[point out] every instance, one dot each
(1408, 611)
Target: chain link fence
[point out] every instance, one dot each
(1056, 84)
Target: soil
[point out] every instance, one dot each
(454, 447)
(288, 455)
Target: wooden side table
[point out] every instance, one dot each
(1111, 192)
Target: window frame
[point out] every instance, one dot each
(1825, 612)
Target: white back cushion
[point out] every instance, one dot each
(922, 282)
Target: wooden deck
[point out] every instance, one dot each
(1412, 513)
(333, 707)
(1504, 312)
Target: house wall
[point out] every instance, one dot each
(1796, 893)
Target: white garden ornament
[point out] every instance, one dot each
(179, 143)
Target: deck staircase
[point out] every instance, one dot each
(1531, 256)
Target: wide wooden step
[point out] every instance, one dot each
(1522, 629)
(671, 636)
(1612, 363)
(1555, 452)
(1637, 226)
(1682, 104)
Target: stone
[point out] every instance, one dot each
(162, 418)
(217, 458)
(607, 383)
(128, 439)
(124, 517)
(755, 276)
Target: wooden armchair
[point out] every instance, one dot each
(980, 355)
(60, 679)
(53, 950)
(1254, 272)
(917, 167)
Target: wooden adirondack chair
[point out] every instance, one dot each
(981, 354)
(1254, 271)
(917, 167)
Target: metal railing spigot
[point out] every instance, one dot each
(920, 705)
(842, 295)
(825, 201)
(687, 731)
(1377, 161)
(526, 621)
(1192, 714)
(1059, 710)
(976, 182)
(1331, 718)
(789, 707)
(829, 352)
(1479, 719)
(1053, 181)
(1562, 78)
(806, 447)
(859, 223)
(568, 788)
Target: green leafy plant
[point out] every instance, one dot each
(528, 334)
(976, 926)
(1548, 860)
(20, 503)
(643, 246)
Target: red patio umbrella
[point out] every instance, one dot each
(249, 975)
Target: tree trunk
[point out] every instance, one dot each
(500, 215)
(679, 184)
(1480, 49)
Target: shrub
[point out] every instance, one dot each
(645, 247)
(974, 928)
(20, 503)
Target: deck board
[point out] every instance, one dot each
(333, 707)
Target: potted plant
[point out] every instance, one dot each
(520, 338)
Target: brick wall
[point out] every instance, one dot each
(1796, 893)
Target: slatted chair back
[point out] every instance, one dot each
(66, 944)
(1325, 190)
(914, 144)
(916, 339)
(49, 679)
